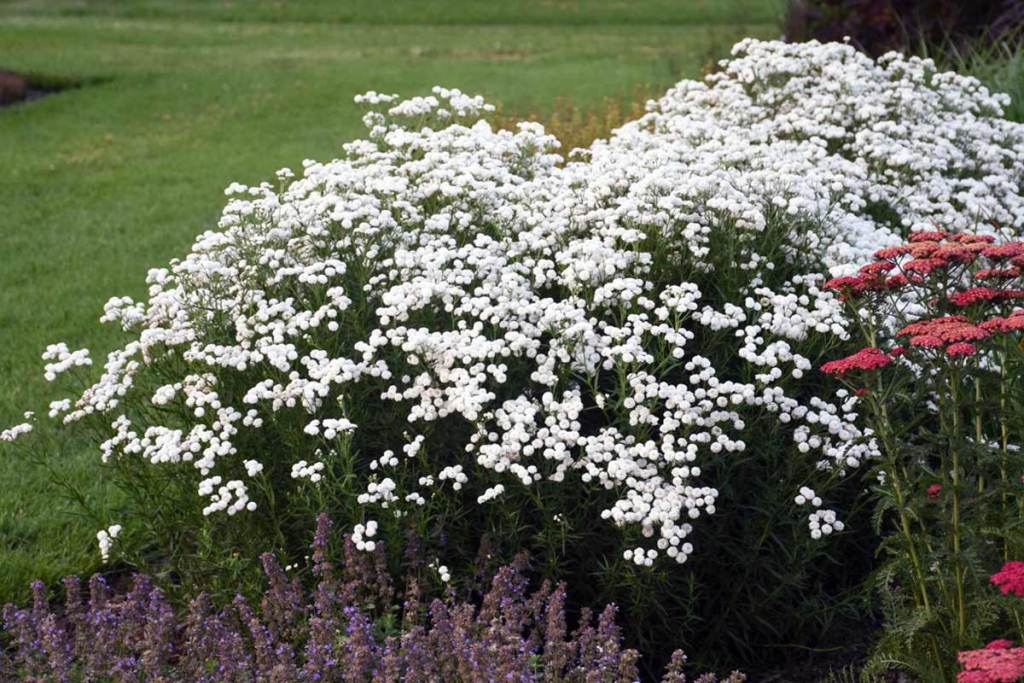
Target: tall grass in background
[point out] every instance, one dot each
(577, 125)
(998, 65)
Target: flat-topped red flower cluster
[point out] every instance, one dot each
(999, 661)
(934, 251)
(865, 359)
(1010, 579)
(1011, 323)
(952, 332)
(973, 281)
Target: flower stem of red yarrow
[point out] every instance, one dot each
(1004, 448)
(979, 436)
(954, 445)
(884, 429)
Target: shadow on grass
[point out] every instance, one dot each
(19, 88)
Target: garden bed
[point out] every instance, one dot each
(741, 379)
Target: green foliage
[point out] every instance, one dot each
(848, 674)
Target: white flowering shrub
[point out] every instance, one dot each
(448, 330)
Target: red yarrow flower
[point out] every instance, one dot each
(926, 340)
(961, 349)
(921, 326)
(1001, 251)
(866, 359)
(893, 252)
(900, 280)
(1001, 644)
(877, 267)
(838, 283)
(923, 249)
(997, 273)
(971, 238)
(925, 265)
(948, 329)
(933, 491)
(964, 332)
(928, 235)
(955, 252)
(997, 665)
(1011, 323)
(856, 284)
(974, 295)
(1010, 578)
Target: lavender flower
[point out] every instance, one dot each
(337, 631)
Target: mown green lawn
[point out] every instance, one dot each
(178, 98)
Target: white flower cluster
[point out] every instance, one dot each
(442, 571)
(61, 360)
(807, 495)
(12, 433)
(361, 535)
(105, 538)
(820, 522)
(823, 523)
(231, 497)
(305, 470)
(620, 319)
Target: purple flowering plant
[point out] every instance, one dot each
(350, 627)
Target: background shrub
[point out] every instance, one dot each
(878, 26)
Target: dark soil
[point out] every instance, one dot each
(15, 87)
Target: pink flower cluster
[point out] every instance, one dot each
(977, 295)
(954, 332)
(866, 359)
(1011, 323)
(1010, 578)
(998, 266)
(997, 662)
(852, 286)
(931, 251)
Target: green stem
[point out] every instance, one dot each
(1004, 447)
(921, 592)
(958, 573)
(978, 435)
